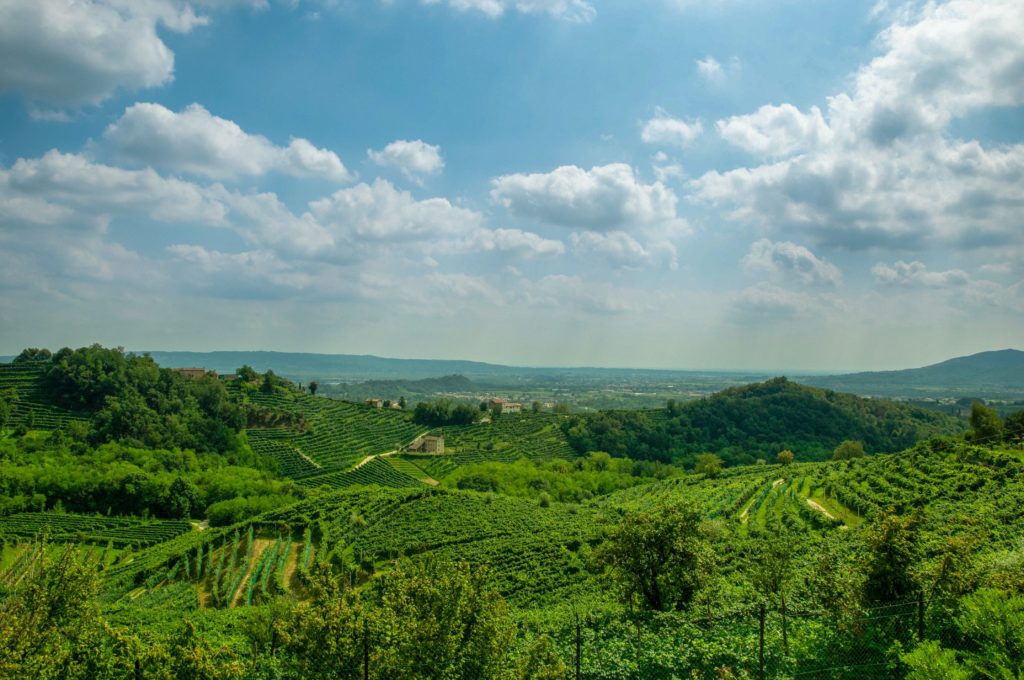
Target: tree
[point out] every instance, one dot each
(985, 423)
(1013, 427)
(535, 407)
(658, 559)
(847, 450)
(183, 499)
(247, 374)
(401, 402)
(313, 387)
(708, 464)
(893, 550)
(785, 457)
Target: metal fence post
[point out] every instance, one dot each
(760, 639)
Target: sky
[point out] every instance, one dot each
(722, 184)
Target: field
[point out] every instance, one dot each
(337, 434)
(29, 407)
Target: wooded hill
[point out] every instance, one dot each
(757, 421)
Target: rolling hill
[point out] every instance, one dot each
(991, 375)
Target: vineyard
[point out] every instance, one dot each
(29, 406)
(121, 531)
(336, 436)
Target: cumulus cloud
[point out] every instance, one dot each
(67, 54)
(916, 274)
(604, 198)
(714, 72)
(197, 142)
(957, 286)
(70, 189)
(880, 169)
(415, 159)
(569, 10)
(511, 241)
(380, 212)
(776, 130)
(785, 260)
(668, 131)
(621, 250)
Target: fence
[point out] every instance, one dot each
(757, 642)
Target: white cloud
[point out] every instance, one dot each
(881, 169)
(957, 286)
(67, 54)
(621, 250)
(709, 68)
(197, 142)
(512, 241)
(73, 190)
(787, 260)
(414, 158)
(380, 212)
(568, 10)
(916, 274)
(603, 198)
(776, 130)
(666, 130)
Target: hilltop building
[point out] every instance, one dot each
(375, 403)
(193, 373)
(427, 444)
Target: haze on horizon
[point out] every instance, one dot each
(644, 183)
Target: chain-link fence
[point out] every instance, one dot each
(755, 642)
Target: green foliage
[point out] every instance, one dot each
(708, 464)
(658, 559)
(985, 423)
(746, 423)
(848, 450)
(785, 457)
(893, 550)
(442, 412)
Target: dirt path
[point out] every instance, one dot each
(745, 515)
(259, 545)
(292, 564)
(307, 459)
(392, 452)
(819, 508)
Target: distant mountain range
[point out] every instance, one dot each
(991, 375)
(987, 375)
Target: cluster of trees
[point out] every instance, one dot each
(430, 620)
(130, 398)
(441, 412)
(560, 480)
(988, 427)
(673, 559)
(741, 425)
(43, 472)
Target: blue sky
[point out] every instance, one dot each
(656, 183)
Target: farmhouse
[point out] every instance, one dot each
(512, 407)
(375, 403)
(192, 373)
(427, 444)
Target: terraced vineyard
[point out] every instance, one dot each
(508, 438)
(338, 435)
(375, 471)
(31, 407)
(122, 531)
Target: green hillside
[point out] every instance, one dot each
(989, 375)
(744, 424)
(967, 504)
